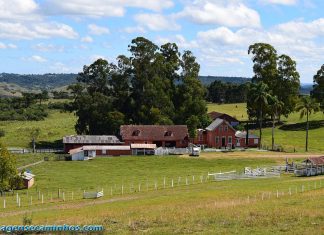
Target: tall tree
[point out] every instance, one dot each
(307, 106)
(318, 87)
(8, 170)
(258, 101)
(288, 84)
(275, 106)
(279, 73)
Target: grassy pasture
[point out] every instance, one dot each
(225, 207)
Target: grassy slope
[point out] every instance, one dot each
(289, 139)
(52, 128)
(221, 207)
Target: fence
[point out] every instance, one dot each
(25, 151)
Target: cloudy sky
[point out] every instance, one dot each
(45, 36)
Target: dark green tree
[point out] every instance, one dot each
(275, 106)
(258, 102)
(306, 107)
(318, 87)
(8, 170)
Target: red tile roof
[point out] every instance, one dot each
(214, 115)
(319, 161)
(154, 132)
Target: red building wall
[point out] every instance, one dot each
(252, 144)
(114, 153)
(223, 133)
(159, 143)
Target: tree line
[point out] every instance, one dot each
(154, 85)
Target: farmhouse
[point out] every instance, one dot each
(220, 134)
(241, 139)
(160, 135)
(231, 120)
(77, 141)
(91, 151)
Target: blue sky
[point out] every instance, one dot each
(55, 36)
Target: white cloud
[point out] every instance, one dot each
(36, 58)
(281, 2)
(226, 13)
(157, 22)
(180, 40)
(87, 39)
(36, 30)
(5, 46)
(102, 8)
(135, 29)
(18, 9)
(48, 47)
(97, 30)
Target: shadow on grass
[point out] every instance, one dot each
(57, 144)
(302, 126)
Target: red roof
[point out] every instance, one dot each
(154, 132)
(214, 115)
(319, 161)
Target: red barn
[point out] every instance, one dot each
(220, 134)
(161, 135)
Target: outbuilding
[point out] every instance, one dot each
(91, 151)
(253, 140)
(28, 179)
(143, 149)
(77, 141)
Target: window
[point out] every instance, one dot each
(86, 153)
(217, 139)
(230, 139)
(168, 133)
(136, 133)
(104, 151)
(220, 128)
(256, 141)
(226, 128)
(237, 141)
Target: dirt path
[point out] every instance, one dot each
(32, 164)
(68, 206)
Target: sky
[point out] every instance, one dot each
(57, 36)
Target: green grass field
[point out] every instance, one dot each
(208, 207)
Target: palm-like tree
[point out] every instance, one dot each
(307, 106)
(260, 97)
(275, 107)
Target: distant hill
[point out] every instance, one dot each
(14, 84)
(209, 79)
(38, 81)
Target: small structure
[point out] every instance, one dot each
(91, 151)
(160, 135)
(231, 120)
(82, 154)
(92, 195)
(77, 141)
(28, 179)
(241, 140)
(310, 167)
(143, 149)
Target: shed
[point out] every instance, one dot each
(231, 120)
(77, 141)
(28, 179)
(82, 154)
(143, 149)
(253, 140)
(315, 161)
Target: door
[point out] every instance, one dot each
(223, 141)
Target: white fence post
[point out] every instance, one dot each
(164, 182)
(17, 198)
(122, 189)
(63, 195)
(4, 203)
(139, 187)
(172, 183)
(42, 199)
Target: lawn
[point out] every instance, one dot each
(208, 207)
